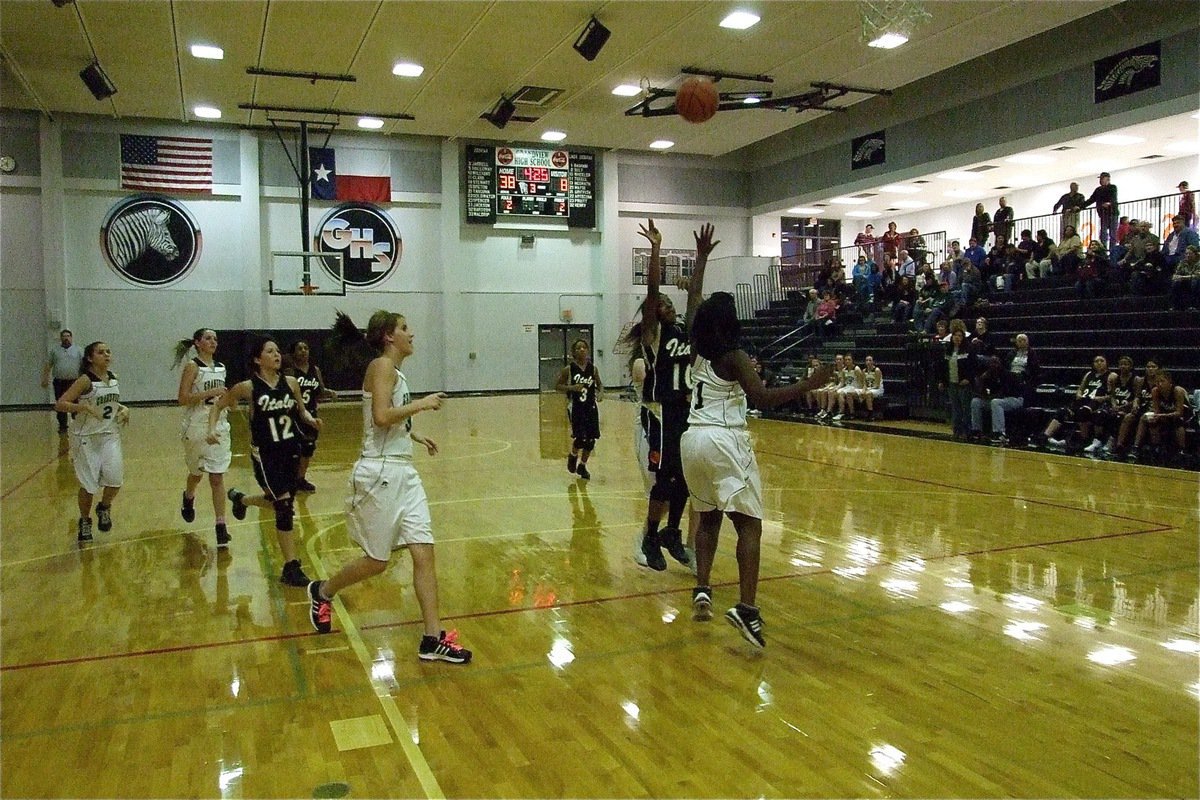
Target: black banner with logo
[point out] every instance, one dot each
(1128, 72)
(869, 150)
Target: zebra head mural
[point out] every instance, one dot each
(150, 240)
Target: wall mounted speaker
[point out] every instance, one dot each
(592, 39)
(97, 82)
(502, 113)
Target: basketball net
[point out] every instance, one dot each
(308, 289)
(624, 347)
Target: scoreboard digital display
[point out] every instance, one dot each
(530, 182)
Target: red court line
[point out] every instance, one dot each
(570, 604)
(33, 474)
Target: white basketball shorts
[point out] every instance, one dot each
(199, 455)
(99, 461)
(387, 508)
(721, 470)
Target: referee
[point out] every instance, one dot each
(63, 364)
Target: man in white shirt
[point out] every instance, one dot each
(63, 364)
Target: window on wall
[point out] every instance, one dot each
(676, 264)
(808, 241)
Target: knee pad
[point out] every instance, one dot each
(586, 445)
(284, 514)
(662, 489)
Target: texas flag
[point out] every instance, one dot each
(363, 175)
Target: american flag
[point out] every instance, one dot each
(166, 163)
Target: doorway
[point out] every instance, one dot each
(554, 350)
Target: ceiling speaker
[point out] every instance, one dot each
(502, 113)
(592, 39)
(97, 82)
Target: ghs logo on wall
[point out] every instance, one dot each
(366, 239)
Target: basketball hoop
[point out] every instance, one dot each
(308, 289)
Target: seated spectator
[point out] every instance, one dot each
(1014, 266)
(1143, 262)
(933, 305)
(824, 280)
(810, 397)
(947, 275)
(1170, 411)
(1089, 277)
(809, 319)
(1089, 397)
(874, 288)
(1122, 400)
(983, 344)
(975, 253)
(871, 387)
(1178, 240)
(1069, 252)
(858, 277)
(970, 284)
(906, 297)
(993, 265)
(941, 332)
(1125, 227)
(827, 313)
(956, 251)
(1025, 246)
(1041, 262)
(1185, 283)
(908, 267)
(917, 249)
(1000, 390)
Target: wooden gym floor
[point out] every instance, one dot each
(942, 621)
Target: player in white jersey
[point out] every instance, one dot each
(200, 385)
(718, 460)
(95, 400)
(387, 508)
(852, 383)
(872, 387)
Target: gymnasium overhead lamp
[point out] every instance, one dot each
(592, 39)
(889, 23)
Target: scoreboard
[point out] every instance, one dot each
(530, 182)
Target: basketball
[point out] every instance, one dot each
(696, 100)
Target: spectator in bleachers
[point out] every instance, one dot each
(872, 387)
(1013, 266)
(1089, 397)
(874, 287)
(947, 275)
(1178, 240)
(858, 274)
(956, 251)
(1105, 198)
(941, 331)
(1000, 390)
(1002, 223)
(891, 241)
(810, 397)
(975, 252)
(1185, 283)
(867, 243)
(1170, 411)
(827, 313)
(1040, 263)
(917, 249)
(887, 282)
(907, 268)
(983, 343)
(1122, 399)
(1090, 274)
(933, 304)
(1068, 253)
(1125, 227)
(1143, 393)
(1143, 261)
(906, 298)
(957, 374)
(1187, 205)
(1025, 245)
(993, 265)
(827, 394)
(970, 284)
(981, 226)
(1070, 203)
(824, 279)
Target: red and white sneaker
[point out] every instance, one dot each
(320, 612)
(443, 648)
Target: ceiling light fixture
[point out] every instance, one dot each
(627, 90)
(740, 20)
(958, 176)
(553, 136)
(370, 123)
(863, 214)
(207, 51)
(890, 23)
(909, 204)
(900, 188)
(1030, 158)
(207, 112)
(661, 144)
(1184, 147)
(1116, 138)
(406, 69)
(805, 210)
(850, 201)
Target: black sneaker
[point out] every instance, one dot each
(320, 611)
(187, 508)
(85, 529)
(572, 462)
(702, 604)
(652, 550)
(672, 539)
(223, 537)
(443, 648)
(748, 622)
(583, 472)
(239, 503)
(292, 574)
(103, 517)
(305, 486)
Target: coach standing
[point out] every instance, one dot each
(63, 364)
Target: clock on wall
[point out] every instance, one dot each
(7, 163)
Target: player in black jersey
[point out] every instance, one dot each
(312, 391)
(276, 409)
(666, 393)
(580, 381)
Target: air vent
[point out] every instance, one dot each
(983, 168)
(1150, 158)
(891, 209)
(536, 96)
(865, 194)
(1064, 147)
(1000, 188)
(922, 181)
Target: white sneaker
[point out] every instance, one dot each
(638, 556)
(838, 417)
(1057, 444)
(1093, 447)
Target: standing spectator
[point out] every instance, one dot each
(1002, 223)
(956, 376)
(891, 241)
(1105, 198)
(1070, 203)
(858, 275)
(1178, 240)
(1187, 205)
(63, 364)
(981, 226)
(866, 242)
(1185, 283)
(1040, 263)
(1069, 252)
(917, 248)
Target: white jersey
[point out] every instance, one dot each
(715, 401)
(392, 440)
(105, 395)
(850, 378)
(207, 377)
(873, 379)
